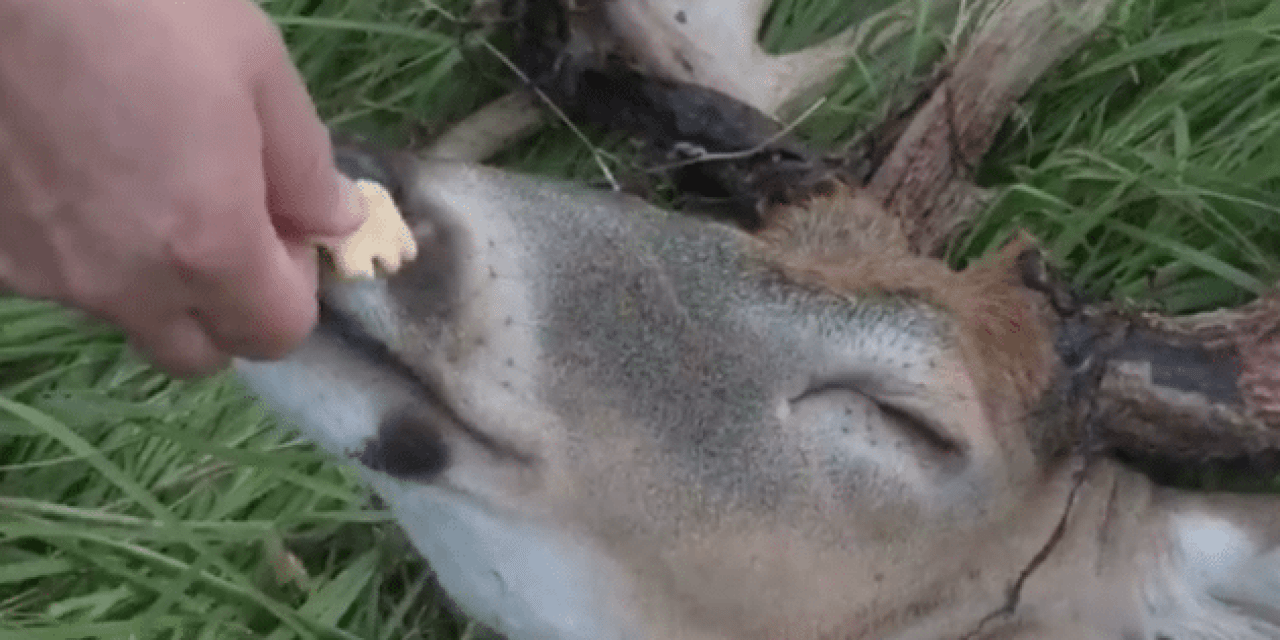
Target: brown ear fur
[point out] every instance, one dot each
(847, 244)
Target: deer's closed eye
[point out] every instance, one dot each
(911, 421)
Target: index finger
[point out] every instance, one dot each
(304, 197)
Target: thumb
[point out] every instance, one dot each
(306, 197)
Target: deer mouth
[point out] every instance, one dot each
(414, 440)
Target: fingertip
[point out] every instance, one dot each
(306, 194)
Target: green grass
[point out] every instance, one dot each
(1151, 163)
(135, 506)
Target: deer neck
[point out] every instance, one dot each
(1131, 560)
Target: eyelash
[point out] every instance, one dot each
(919, 426)
(907, 419)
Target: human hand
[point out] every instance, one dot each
(163, 168)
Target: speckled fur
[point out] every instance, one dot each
(846, 243)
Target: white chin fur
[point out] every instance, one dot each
(524, 579)
(329, 409)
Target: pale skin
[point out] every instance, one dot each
(163, 168)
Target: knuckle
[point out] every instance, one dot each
(181, 351)
(268, 331)
(194, 259)
(288, 333)
(184, 365)
(93, 295)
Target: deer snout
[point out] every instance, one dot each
(425, 283)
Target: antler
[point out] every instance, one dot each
(1191, 389)
(1196, 388)
(924, 179)
(713, 45)
(1254, 331)
(706, 47)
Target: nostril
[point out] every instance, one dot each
(429, 287)
(426, 233)
(408, 447)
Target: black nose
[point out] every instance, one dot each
(410, 444)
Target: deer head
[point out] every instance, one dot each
(598, 419)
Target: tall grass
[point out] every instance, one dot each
(133, 506)
(1149, 162)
